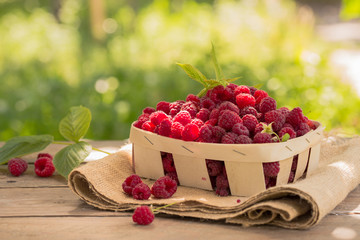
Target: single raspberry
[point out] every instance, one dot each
(143, 215)
(148, 126)
(260, 95)
(303, 128)
(197, 122)
(249, 110)
(190, 132)
(259, 127)
(240, 129)
(250, 121)
(164, 187)
(218, 133)
(232, 86)
(191, 108)
(245, 100)
(277, 118)
(182, 117)
(168, 163)
(228, 106)
(163, 106)
(214, 167)
(176, 130)
(193, 98)
(157, 117)
(228, 119)
(288, 125)
(229, 138)
(44, 167)
(148, 110)
(48, 155)
(311, 124)
(173, 176)
(214, 114)
(165, 127)
(130, 182)
(287, 130)
(207, 103)
(284, 110)
(241, 89)
(17, 166)
(295, 117)
(267, 104)
(203, 114)
(223, 192)
(271, 169)
(138, 124)
(252, 90)
(227, 95)
(206, 133)
(262, 138)
(141, 192)
(216, 94)
(222, 181)
(141, 119)
(212, 122)
(175, 107)
(242, 139)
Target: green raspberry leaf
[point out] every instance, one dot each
(218, 71)
(19, 146)
(70, 157)
(76, 123)
(193, 73)
(285, 137)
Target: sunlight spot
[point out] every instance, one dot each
(109, 25)
(21, 105)
(310, 57)
(3, 106)
(101, 86)
(344, 233)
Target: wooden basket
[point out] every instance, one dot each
(243, 162)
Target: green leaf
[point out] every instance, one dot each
(350, 9)
(193, 73)
(70, 157)
(229, 80)
(19, 146)
(218, 71)
(258, 86)
(76, 123)
(285, 137)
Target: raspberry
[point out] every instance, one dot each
(212, 122)
(44, 167)
(214, 114)
(190, 132)
(17, 166)
(176, 130)
(241, 89)
(222, 181)
(295, 117)
(271, 169)
(303, 128)
(148, 110)
(228, 106)
(193, 98)
(141, 119)
(227, 95)
(277, 118)
(164, 187)
(242, 139)
(294, 163)
(182, 117)
(173, 176)
(288, 125)
(252, 90)
(157, 117)
(311, 124)
(137, 124)
(270, 181)
(141, 192)
(168, 163)
(223, 192)
(143, 215)
(244, 100)
(259, 127)
(287, 130)
(163, 106)
(229, 138)
(228, 119)
(218, 133)
(48, 155)
(214, 167)
(232, 86)
(250, 121)
(260, 95)
(240, 129)
(267, 104)
(190, 107)
(291, 177)
(175, 107)
(216, 93)
(197, 122)
(165, 127)
(284, 110)
(206, 133)
(130, 182)
(249, 110)
(203, 114)
(148, 126)
(262, 138)
(207, 103)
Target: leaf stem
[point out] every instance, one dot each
(156, 209)
(68, 143)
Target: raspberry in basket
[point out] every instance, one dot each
(164, 187)
(271, 169)
(228, 119)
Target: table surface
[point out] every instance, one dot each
(45, 208)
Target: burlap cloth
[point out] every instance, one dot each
(298, 206)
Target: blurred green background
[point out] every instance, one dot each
(117, 57)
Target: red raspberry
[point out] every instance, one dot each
(241, 89)
(190, 132)
(138, 124)
(212, 122)
(249, 110)
(216, 94)
(143, 215)
(222, 181)
(277, 118)
(197, 122)
(288, 125)
(44, 167)
(240, 129)
(203, 114)
(168, 163)
(291, 177)
(227, 95)
(193, 98)
(284, 110)
(259, 127)
(17, 166)
(270, 181)
(164, 187)
(157, 117)
(271, 169)
(303, 128)
(141, 192)
(262, 138)
(228, 119)
(141, 119)
(130, 182)
(242, 139)
(267, 104)
(214, 167)
(163, 106)
(232, 86)
(173, 176)
(252, 90)
(165, 127)
(148, 110)
(223, 192)
(148, 126)
(229, 138)
(214, 114)
(295, 117)
(207, 103)
(206, 133)
(176, 130)
(294, 163)
(250, 121)
(260, 95)
(182, 117)
(218, 133)
(228, 106)
(48, 155)
(311, 124)
(191, 108)
(175, 107)
(287, 130)
(244, 100)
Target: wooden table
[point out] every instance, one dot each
(45, 208)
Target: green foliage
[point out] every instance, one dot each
(49, 63)
(76, 124)
(350, 9)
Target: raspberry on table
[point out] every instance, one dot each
(176, 130)
(165, 127)
(17, 166)
(182, 117)
(148, 110)
(243, 139)
(250, 122)
(48, 155)
(267, 104)
(141, 191)
(245, 100)
(157, 117)
(240, 129)
(277, 118)
(190, 132)
(214, 167)
(228, 119)
(163, 106)
(203, 114)
(44, 167)
(271, 169)
(229, 138)
(262, 138)
(164, 187)
(130, 182)
(143, 215)
(287, 130)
